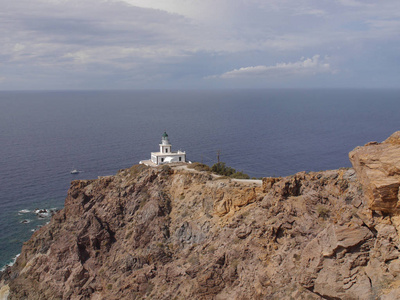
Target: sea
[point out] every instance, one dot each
(45, 135)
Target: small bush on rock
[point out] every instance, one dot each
(199, 167)
(221, 169)
(323, 211)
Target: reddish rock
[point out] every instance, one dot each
(378, 168)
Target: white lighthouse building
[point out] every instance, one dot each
(165, 155)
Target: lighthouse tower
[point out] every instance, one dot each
(165, 155)
(165, 146)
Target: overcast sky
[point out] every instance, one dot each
(131, 44)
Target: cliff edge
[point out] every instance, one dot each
(378, 168)
(176, 233)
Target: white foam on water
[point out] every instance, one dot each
(24, 211)
(44, 212)
(43, 215)
(11, 263)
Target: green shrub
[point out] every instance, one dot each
(221, 169)
(240, 175)
(199, 167)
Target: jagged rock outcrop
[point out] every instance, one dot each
(176, 233)
(378, 169)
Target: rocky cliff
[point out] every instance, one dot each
(378, 169)
(176, 233)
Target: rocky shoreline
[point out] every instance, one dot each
(173, 233)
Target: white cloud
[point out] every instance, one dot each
(308, 66)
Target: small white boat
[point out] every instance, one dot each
(75, 172)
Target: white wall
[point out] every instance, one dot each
(175, 158)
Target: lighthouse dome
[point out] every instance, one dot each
(164, 139)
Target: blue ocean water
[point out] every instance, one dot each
(44, 135)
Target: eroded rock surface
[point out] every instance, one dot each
(162, 233)
(378, 169)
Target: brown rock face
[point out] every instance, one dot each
(378, 169)
(162, 233)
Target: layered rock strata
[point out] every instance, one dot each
(378, 169)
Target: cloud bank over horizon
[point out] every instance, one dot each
(128, 44)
